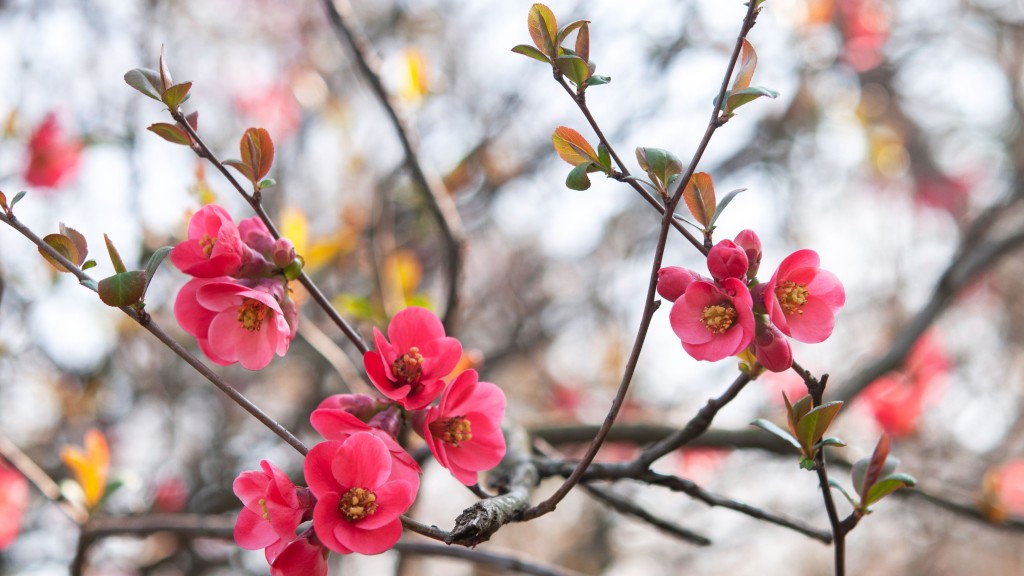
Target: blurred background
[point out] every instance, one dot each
(897, 125)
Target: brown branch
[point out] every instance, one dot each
(503, 561)
(440, 203)
(41, 480)
(625, 506)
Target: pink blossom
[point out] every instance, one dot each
(727, 260)
(464, 430)
(714, 321)
(53, 158)
(410, 368)
(359, 498)
(272, 509)
(897, 400)
(234, 323)
(802, 299)
(673, 280)
(751, 245)
(13, 501)
(340, 424)
(304, 556)
(1003, 491)
(214, 247)
(771, 348)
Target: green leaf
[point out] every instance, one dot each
(90, 283)
(115, 258)
(123, 289)
(807, 463)
(543, 29)
(772, 428)
(725, 202)
(170, 132)
(812, 426)
(568, 29)
(175, 95)
(603, 157)
(154, 262)
(598, 80)
(574, 67)
(241, 167)
(267, 183)
(17, 198)
(660, 165)
(830, 441)
(887, 486)
(577, 178)
(532, 52)
(146, 81)
(835, 484)
(65, 247)
(740, 97)
(88, 264)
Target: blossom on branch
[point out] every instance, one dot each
(802, 299)
(409, 367)
(272, 509)
(359, 496)
(303, 556)
(714, 321)
(53, 157)
(464, 430)
(340, 424)
(214, 247)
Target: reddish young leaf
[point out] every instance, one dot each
(878, 458)
(63, 245)
(543, 29)
(175, 95)
(115, 258)
(572, 147)
(165, 73)
(170, 132)
(747, 63)
(124, 289)
(257, 149)
(700, 198)
(78, 240)
(583, 42)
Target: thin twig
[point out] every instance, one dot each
(627, 507)
(651, 304)
(440, 203)
(503, 561)
(41, 480)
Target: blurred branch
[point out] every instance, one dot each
(41, 480)
(440, 203)
(504, 562)
(144, 320)
(627, 507)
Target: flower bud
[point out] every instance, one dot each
(388, 420)
(284, 252)
(362, 406)
(673, 280)
(772, 348)
(751, 245)
(727, 260)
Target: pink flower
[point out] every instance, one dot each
(340, 424)
(363, 406)
(359, 498)
(802, 299)
(464, 430)
(751, 245)
(714, 322)
(410, 369)
(727, 260)
(272, 509)
(52, 156)
(234, 323)
(13, 501)
(771, 348)
(897, 400)
(304, 556)
(673, 280)
(214, 247)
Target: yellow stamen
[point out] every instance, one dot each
(792, 296)
(453, 430)
(251, 314)
(408, 367)
(719, 317)
(357, 503)
(206, 244)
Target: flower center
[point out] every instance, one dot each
(453, 430)
(719, 317)
(206, 244)
(251, 314)
(792, 296)
(263, 507)
(357, 503)
(408, 367)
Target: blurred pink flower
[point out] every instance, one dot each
(13, 501)
(214, 247)
(802, 299)
(897, 400)
(714, 321)
(303, 556)
(234, 323)
(273, 107)
(411, 367)
(359, 499)
(1003, 491)
(53, 157)
(727, 260)
(272, 509)
(464, 430)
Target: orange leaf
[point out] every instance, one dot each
(748, 61)
(543, 28)
(90, 466)
(257, 149)
(700, 197)
(572, 146)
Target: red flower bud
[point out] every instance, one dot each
(751, 245)
(727, 260)
(772, 348)
(673, 280)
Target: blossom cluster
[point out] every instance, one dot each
(360, 479)
(732, 311)
(237, 305)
